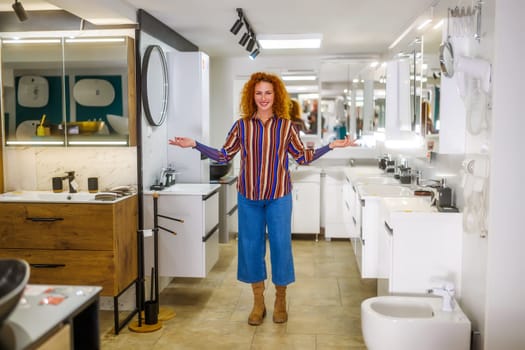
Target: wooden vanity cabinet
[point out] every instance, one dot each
(73, 243)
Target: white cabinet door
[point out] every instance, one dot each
(193, 250)
(306, 207)
(334, 203)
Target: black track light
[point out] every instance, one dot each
(236, 26)
(19, 10)
(244, 39)
(254, 53)
(250, 45)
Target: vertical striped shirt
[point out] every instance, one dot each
(264, 148)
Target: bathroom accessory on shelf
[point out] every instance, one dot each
(33, 91)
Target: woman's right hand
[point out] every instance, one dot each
(183, 142)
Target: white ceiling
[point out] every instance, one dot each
(355, 32)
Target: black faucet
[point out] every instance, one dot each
(71, 181)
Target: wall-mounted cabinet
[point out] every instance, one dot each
(84, 85)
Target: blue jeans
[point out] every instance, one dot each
(255, 216)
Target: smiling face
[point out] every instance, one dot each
(264, 95)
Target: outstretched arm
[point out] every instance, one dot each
(183, 142)
(343, 143)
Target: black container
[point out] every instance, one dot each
(218, 170)
(57, 184)
(92, 184)
(151, 310)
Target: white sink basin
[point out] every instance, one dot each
(402, 322)
(51, 197)
(383, 190)
(376, 180)
(409, 204)
(188, 189)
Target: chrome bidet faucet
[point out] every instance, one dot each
(447, 292)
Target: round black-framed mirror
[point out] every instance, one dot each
(154, 85)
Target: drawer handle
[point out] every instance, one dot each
(45, 219)
(170, 218)
(354, 220)
(47, 266)
(389, 229)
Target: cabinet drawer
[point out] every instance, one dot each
(56, 226)
(68, 267)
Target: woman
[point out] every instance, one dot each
(265, 136)
(295, 116)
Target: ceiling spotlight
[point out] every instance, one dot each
(19, 10)
(254, 53)
(250, 45)
(244, 39)
(236, 26)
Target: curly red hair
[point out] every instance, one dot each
(281, 100)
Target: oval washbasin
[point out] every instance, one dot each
(383, 190)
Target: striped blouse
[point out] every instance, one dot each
(264, 148)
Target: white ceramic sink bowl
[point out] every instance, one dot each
(404, 323)
(50, 197)
(383, 190)
(409, 204)
(118, 123)
(376, 180)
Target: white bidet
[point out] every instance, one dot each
(413, 323)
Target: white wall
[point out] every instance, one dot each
(505, 285)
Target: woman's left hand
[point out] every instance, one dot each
(343, 143)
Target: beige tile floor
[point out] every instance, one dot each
(211, 313)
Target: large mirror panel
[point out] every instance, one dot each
(82, 85)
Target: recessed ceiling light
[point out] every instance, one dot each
(298, 77)
(290, 41)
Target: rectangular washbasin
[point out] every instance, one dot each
(409, 204)
(383, 190)
(51, 197)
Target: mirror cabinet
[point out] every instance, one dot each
(68, 91)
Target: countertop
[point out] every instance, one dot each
(227, 180)
(51, 197)
(187, 189)
(32, 320)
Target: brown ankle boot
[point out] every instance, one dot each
(279, 310)
(259, 310)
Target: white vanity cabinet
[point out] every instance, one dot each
(306, 200)
(419, 249)
(194, 248)
(335, 205)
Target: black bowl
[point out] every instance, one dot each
(14, 274)
(218, 170)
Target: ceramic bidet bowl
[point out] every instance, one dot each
(406, 322)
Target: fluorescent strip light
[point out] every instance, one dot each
(95, 40)
(290, 41)
(31, 41)
(99, 143)
(400, 37)
(26, 143)
(438, 25)
(374, 64)
(424, 24)
(298, 77)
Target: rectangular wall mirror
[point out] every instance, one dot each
(68, 91)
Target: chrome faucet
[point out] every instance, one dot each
(447, 292)
(73, 185)
(428, 182)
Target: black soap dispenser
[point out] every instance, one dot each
(444, 199)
